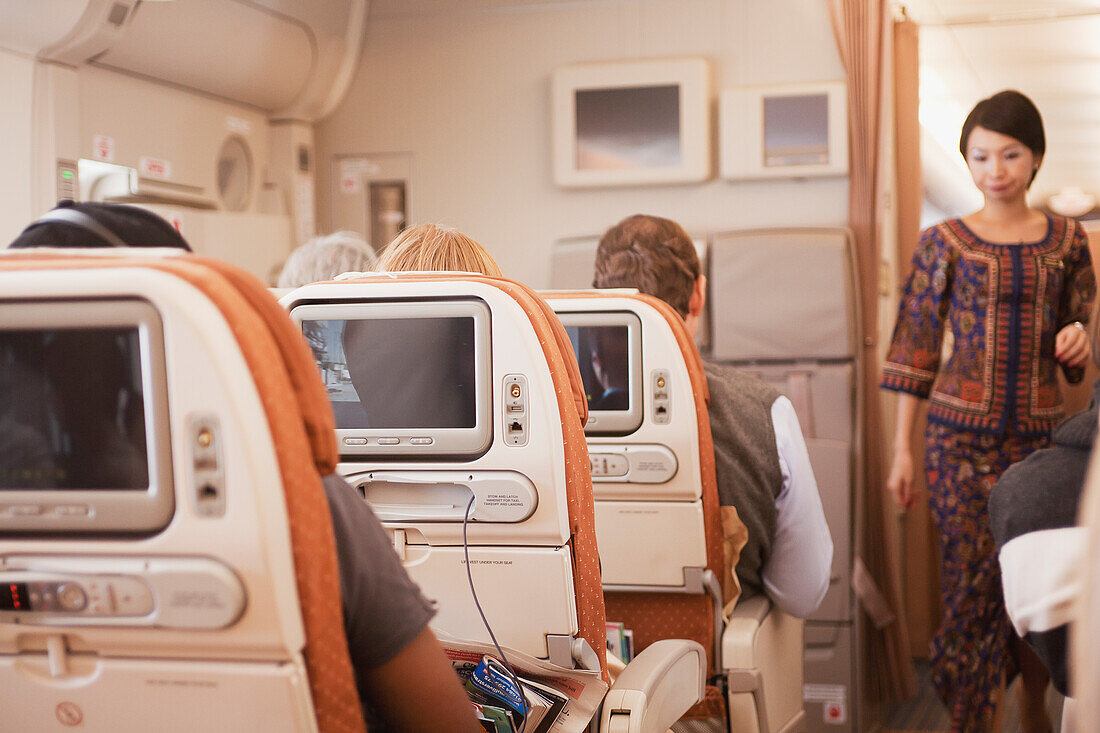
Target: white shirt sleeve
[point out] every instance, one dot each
(796, 574)
(1041, 577)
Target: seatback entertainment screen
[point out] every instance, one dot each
(603, 355)
(608, 348)
(85, 444)
(72, 410)
(398, 372)
(405, 377)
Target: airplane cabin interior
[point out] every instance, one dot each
(536, 451)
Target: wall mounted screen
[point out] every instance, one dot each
(796, 130)
(784, 131)
(636, 122)
(632, 127)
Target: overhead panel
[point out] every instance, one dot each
(27, 27)
(171, 139)
(239, 51)
(294, 60)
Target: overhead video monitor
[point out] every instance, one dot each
(796, 130)
(630, 127)
(84, 443)
(608, 348)
(405, 378)
(784, 131)
(625, 123)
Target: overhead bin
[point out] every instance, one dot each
(201, 109)
(28, 27)
(249, 54)
(293, 60)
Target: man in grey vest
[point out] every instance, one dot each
(763, 468)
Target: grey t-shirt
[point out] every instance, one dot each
(383, 609)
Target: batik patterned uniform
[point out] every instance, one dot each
(992, 402)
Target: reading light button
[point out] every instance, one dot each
(389, 441)
(355, 441)
(420, 441)
(132, 597)
(71, 510)
(25, 510)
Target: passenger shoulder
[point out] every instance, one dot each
(1040, 492)
(725, 380)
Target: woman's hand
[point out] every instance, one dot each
(900, 482)
(1071, 346)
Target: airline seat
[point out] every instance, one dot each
(666, 572)
(216, 605)
(504, 479)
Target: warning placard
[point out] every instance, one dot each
(103, 148)
(156, 168)
(833, 699)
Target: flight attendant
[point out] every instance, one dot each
(1012, 286)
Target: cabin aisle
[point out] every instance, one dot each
(926, 713)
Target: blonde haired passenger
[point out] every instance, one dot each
(323, 258)
(431, 248)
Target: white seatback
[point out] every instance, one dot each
(649, 521)
(784, 308)
(521, 565)
(783, 305)
(782, 294)
(221, 648)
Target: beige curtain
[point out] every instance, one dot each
(907, 138)
(860, 27)
(921, 571)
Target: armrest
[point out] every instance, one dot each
(759, 635)
(656, 688)
(739, 638)
(762, 650)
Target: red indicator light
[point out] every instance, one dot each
(16, 603)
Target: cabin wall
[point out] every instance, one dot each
(16, 81)
(466, 96)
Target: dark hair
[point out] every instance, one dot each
(1009, 113)
(132, 225)
(651, 254)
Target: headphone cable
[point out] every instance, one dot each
(504, 659)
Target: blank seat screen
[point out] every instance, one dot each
(72, 409)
